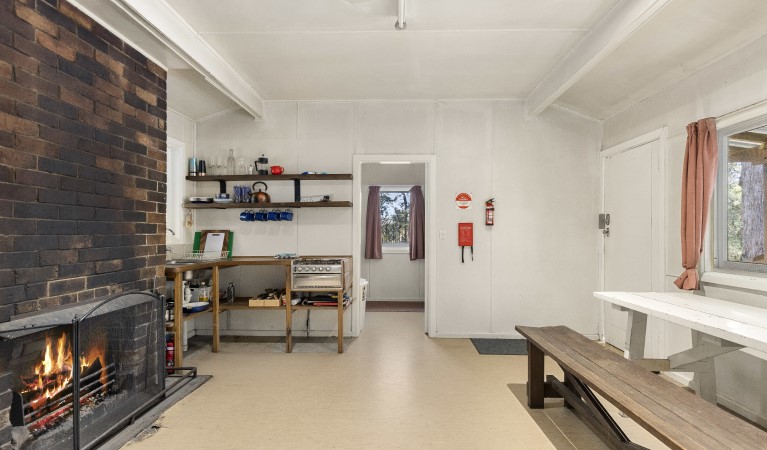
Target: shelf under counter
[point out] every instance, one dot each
(241, 303)
(312, 307)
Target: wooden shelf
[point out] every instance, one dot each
(284, 177)
(241, 303)
(341, 204)
(295, 178)
(312, 307)
(189, 316)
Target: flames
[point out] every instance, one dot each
(54, 374)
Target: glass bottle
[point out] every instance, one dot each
(230, 163)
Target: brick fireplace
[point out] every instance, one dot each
(82, 164)
(82, 160)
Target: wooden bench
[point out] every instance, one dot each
(675, 416)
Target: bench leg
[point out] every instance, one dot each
(535, 377)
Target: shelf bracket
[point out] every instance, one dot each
(297, 190)
(221, 186)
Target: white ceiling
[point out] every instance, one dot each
(349, 49)
(192, 96)
(681, 39)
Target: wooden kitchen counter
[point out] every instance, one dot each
(176, 273)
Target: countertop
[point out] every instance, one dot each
(240, 261)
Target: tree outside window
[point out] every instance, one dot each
(745, 194)
(395, 218)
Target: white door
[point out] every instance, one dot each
(628, 249)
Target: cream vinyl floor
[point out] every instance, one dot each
(393, 388)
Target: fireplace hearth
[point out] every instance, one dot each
(74, 375)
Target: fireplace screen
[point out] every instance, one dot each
(76, 375)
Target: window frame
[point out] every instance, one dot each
(395, 248)
(720, 261)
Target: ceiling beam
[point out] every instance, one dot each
(166, 25)
(620, 23)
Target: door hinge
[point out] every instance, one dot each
(604, 224)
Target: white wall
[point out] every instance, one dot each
(728, 85)
(393, 277)
(537, 266)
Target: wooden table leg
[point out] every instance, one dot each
(178, 320)
(216, 311)
(340, 321)
(288, 312)
(535, 376)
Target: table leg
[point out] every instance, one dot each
(178, 320)
(340, 321)
(216, 312)
(636, 331)
(704, 380)
(288, 312)
(535, 376)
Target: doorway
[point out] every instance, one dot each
(633, 246)
(394, 281)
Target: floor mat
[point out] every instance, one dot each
(500, 346)
(394, 306)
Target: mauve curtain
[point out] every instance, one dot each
(415, 231)
(698, 177)
(373, 225)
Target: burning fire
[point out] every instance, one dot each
(53, 374)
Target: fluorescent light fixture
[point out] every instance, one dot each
(394, 162)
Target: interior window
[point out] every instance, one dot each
(741, 235)
(395, 217)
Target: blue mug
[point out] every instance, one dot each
(273, 215)
(246, 216)
(286, 215)
(261, 216)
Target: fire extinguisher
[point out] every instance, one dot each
(490, 212)
(170, 355)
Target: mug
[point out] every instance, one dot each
(247, 216)
(277, 170)
(261, 216)
(273, 215)
(286, 215)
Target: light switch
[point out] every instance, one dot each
(443, 233)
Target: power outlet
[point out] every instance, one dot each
(443, 234)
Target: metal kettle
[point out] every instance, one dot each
(260, 196)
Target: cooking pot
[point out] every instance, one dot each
(277, 170)
(260, 196)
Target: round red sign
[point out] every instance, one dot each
(463, 200)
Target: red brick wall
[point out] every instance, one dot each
(82, 159)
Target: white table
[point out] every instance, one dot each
(718, 327)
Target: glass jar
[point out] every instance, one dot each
(230, 163)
